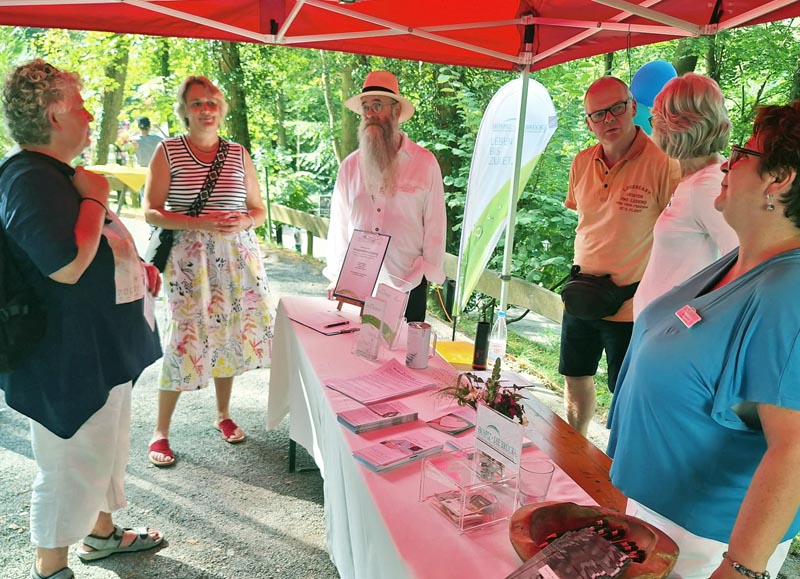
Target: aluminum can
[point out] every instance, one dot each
(418, 345)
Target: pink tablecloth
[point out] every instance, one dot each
(376, 526)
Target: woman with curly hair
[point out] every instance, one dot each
(82, 264)
(706, 416)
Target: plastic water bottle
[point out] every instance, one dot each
(497, 340)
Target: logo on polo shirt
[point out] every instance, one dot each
(634, 198)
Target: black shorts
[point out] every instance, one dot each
(583, 342)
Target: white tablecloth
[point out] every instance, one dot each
(376, 526)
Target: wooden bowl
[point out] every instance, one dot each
(530, 525)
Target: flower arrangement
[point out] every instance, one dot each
(470, 390)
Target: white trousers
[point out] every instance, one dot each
(699, 556)
(80, 476)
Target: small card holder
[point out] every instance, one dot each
(373, 329)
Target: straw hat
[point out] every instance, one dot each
(381, 83)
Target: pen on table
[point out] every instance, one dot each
(334, 324)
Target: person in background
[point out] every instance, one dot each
(145, 143)
(618, 187)
(707, 413)
(391, 186)
(82, 263)
(219, 320)
(690, 124)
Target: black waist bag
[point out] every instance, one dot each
(593, 297)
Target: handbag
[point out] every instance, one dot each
(161, 240)
(593, 297)
(23, 315)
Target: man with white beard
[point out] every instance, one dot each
(391, 186)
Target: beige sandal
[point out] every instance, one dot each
(106, 546)
(65, 573)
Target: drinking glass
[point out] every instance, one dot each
(535, 475)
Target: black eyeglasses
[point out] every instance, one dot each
(738, 152)
(616, 109)
(376, 107)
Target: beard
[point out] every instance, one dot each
(377, 144)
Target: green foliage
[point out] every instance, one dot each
(294, 125)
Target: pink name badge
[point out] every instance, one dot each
(688, 315)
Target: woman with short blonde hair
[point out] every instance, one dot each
(690, 124)
(219, 322)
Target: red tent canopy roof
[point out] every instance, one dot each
(482, 33)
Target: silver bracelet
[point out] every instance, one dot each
(741, 569)
(252, 221)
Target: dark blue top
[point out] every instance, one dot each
(91, 343)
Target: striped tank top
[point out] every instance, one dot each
(188, 173)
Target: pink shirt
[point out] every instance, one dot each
(414, 217)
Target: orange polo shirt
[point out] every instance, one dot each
(617, 209)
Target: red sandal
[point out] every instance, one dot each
(228, 428)
(162, 447)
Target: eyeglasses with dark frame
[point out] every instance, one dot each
(616, 110)
(738, 152)
(376, 107)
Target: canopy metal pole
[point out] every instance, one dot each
(512, 206)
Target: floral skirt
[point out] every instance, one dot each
(219, 312)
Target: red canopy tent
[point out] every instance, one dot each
(500, 34)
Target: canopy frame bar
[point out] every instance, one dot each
(399, 28)
(754, 14)
(654, 15)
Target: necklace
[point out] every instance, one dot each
(196, 147)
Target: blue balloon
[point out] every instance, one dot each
(650, 79)
(642, 118)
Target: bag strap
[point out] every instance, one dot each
(8, 266)
(575, 270)
(211, 179)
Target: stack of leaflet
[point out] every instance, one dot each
(393, 452)
(375, 416)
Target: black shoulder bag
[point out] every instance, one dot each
(23, 316)
(593, 297)
(161, 239)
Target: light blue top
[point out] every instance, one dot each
(678, 446)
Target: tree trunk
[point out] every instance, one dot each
(795, 90)
(684, 61)
(174, 124)
(327, 93)
(349, 132)
(447, 116)
(712, 60)
(280, 121)
(117, 71)
(230, 66)
(608, 62)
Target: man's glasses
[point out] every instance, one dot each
(376, 107)
(737, 153)
(616, 109)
